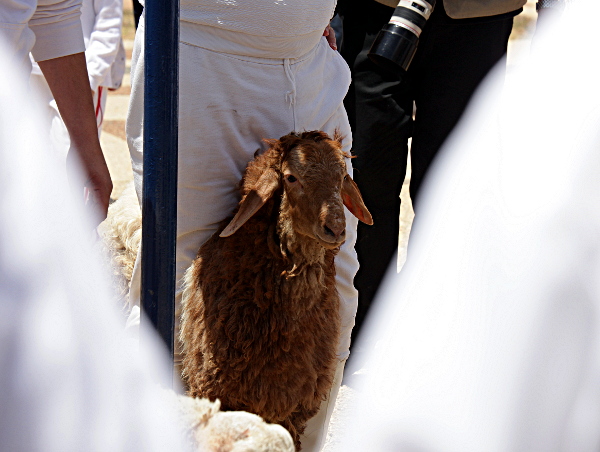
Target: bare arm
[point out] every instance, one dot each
(68, 79)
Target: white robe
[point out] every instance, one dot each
(69, 379)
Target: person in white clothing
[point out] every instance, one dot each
(101, 22)
(257, 69)
(489, 339)
(51, 31)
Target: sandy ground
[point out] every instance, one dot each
(117, 156)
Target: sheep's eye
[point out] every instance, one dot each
(291, 179)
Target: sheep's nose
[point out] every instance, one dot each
(335, 230)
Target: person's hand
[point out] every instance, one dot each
(97, 184)
(329, 33)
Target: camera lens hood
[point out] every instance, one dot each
(394, 48)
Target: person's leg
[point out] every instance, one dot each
(454, 56)
(380, 112)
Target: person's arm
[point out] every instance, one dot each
(68, 79)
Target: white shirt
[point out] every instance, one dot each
(101, 21)
(256, 28)
(46, 28)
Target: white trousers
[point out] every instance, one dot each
(227, 105)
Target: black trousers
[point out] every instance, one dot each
(452, 58)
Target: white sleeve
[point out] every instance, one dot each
(57, 29)
(104, 42)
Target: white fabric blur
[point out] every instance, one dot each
(489, 339)
(69, 380)
(46, 28)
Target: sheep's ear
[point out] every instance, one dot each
(354, 202)
(254, 200)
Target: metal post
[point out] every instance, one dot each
(159, 202)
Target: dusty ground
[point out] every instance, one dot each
(115, 148)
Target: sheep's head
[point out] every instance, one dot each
(311, 169)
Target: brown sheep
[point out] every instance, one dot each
(260, 321)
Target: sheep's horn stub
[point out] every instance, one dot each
(353, 201)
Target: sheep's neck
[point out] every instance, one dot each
(302, 251)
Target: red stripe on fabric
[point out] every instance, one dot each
(99, 107)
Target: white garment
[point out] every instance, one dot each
(227, 104)
(69, 381)
(256, 28)
(489, 340)
(101, 21)
(46, 28)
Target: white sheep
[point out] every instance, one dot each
(208, 429)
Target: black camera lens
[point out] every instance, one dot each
(396, 44)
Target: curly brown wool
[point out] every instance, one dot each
(260, 321)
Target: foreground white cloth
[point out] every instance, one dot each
(489, 340)
(68, 380)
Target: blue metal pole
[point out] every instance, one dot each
(159, 201)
